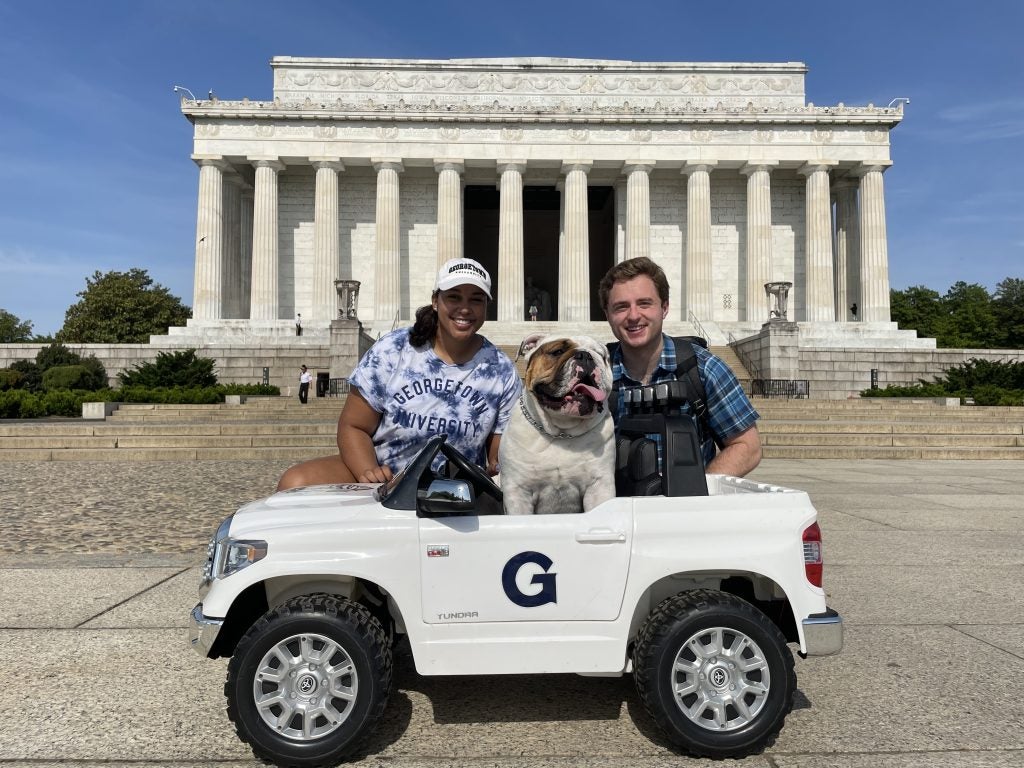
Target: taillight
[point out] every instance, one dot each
(812, 554)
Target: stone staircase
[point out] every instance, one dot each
(282, 428)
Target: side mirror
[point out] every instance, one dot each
(444, 498)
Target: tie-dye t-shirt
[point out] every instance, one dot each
(419, 395)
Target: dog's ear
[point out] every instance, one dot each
(529, 344)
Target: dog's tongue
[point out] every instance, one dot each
(595, 394)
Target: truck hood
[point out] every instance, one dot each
(316, 505)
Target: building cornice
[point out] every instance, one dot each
(371, 110)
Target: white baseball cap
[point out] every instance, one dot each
(463, 272)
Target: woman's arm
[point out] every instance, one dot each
(492, 454)
(356, 425)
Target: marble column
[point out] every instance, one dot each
(232, 271)
(699, 282)
(874, 249)
(388, 257)
(759, 238)
(208, 287)
(511, 277)
(574, 264)
(638, 208)
(449, 209)
(326, 239)
(819, 296)
(847, 241)
(264, 300)
(245, 237)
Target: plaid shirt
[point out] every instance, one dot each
(729, 410)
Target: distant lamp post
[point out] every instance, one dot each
(183, 89)
(348, 298)
(780, 290)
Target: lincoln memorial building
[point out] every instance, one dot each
(547, 171)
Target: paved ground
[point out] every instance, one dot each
(98, 568)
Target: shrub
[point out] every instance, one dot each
(19, 404)
(32, 375)
(251, 389)
(66, 377)
(31, 407)
(56, 354)
(62, 403)
(172, 369)
(10, 379)
(97, 373)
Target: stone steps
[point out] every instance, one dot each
(282, 428)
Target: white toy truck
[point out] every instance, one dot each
(696, 591)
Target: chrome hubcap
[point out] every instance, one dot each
(720, 679)
(305, 687)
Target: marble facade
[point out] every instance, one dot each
(548, 169)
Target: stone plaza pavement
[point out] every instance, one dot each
(99, 565)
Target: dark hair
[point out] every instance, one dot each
(627, 270)
(425, 328)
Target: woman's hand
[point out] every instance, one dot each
(356, 425)
(375, 475)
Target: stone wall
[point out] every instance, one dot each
(234, 365)
(835, 374)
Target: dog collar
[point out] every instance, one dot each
(539, 427)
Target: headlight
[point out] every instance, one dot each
(236, 555)
(225, 556)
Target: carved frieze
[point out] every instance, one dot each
(541, 83)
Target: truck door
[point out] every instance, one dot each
(526, 568)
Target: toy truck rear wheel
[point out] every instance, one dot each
(715, 673)
(309, 680)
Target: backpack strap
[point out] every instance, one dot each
(686, 371)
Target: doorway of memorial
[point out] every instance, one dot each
(541, 206)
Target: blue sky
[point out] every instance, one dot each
(94, 153)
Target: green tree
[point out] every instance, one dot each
(122, 308)
(172, 369)
(1008, 306)
(13, 330)
(970, 317)
(918, 308)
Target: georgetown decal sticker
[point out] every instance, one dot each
(545, 580)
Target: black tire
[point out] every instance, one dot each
(314, 644)
(731, 697)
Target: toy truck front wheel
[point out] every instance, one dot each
(309, 680)
(715, 673)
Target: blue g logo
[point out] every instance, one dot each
(545, 580)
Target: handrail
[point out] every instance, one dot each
(700, 328)
(752, 369)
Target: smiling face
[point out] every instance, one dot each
(460, 312)
(636, 313)
(569, 376)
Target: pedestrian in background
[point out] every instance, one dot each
(304, 378)
(298, 325)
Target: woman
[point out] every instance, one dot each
(440, 376)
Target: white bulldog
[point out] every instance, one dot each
(558, 452)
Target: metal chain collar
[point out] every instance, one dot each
(533, 422)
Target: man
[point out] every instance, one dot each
(298, 324)
(634, 294)
(305, 377)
